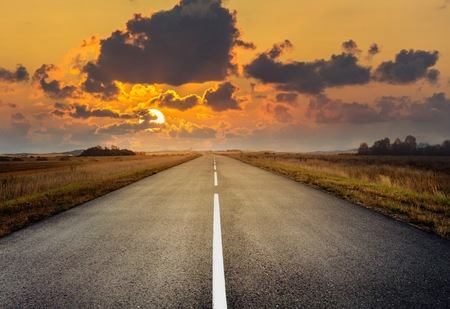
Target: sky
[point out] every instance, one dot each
(288, 75)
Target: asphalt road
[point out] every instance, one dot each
(285, 245)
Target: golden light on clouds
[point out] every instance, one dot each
(320, 80)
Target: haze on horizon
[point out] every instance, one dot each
(209, 74)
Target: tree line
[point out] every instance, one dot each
(105, 151)
(408, 147)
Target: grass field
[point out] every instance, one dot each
(415, 190)
(38, 187)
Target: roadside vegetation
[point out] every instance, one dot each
(412, 189)
(407, 147)
(34, 188)
(105, 151)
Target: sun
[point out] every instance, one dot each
(159, 116)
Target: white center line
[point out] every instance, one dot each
(219, 294)
(215, 179)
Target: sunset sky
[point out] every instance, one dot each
(288, 75)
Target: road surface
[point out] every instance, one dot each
(268, 241)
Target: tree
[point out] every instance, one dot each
(382, 147)
(398, 147)
(363, 149)
(408, 147)
(410, 144)
(446, 148)
(99, 151)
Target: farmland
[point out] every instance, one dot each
(415, 189)
(34, 188)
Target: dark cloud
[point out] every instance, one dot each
(18, 117)
(97, 82)
(53, 89)
(307, 77)
(408, 67)
(62, 106)
(171, 99)
(435, 109)
(127, 127)
(373, 49)
(282, 114)
(83, 111)
(350, 47)
(326, 110)
(10, 105)
(287, 97)
(192, 42)
(278, 49)
(222, 97)
(58, 113)
(19, 75)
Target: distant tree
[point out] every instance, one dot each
(398, 147)
(423, 149)
(105, 151)
(408, 147)
(363, 149)
(446, 148)
(381, 147)
(410, 144)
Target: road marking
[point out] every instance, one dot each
(219, 294)
(216, 183)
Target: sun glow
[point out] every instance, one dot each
(159, 116)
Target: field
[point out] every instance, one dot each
(415, 189)
(34, 188)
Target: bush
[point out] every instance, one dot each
(99, 151)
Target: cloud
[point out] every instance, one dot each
(434, 109)
(373, 49)
(127, 127)
(222, 97)
(325, 110)
(145, 123)
(444, 5)
(53, 89)
(191, 130)
(83, 111)
(10, 105)
(307, 77)
(171, 99)
(282, 114)
(192, 42)
(287, 97)
(17, 133)
(408, 67)
(19, 75)
(350, 47)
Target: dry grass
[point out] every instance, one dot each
(412, 189)
(32, 190)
